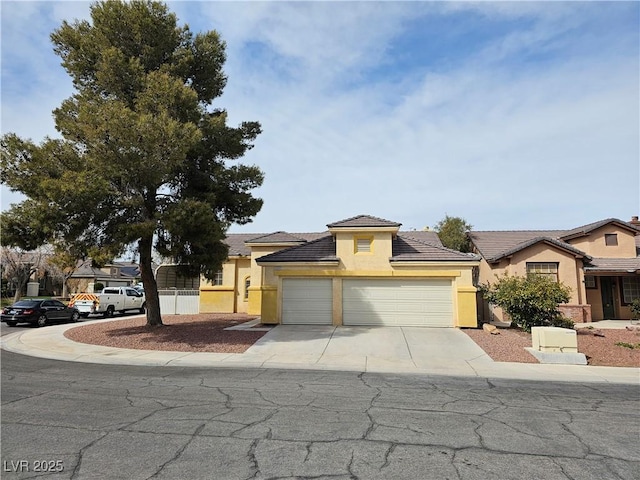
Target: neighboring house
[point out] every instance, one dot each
(362, 271)
(114, 275)
(598, 261)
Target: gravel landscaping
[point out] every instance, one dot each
(180, 333)
(599, 346)
(206, 333)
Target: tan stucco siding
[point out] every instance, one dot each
(594, 243)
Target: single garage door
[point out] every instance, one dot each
(307, 301)
(397, 302)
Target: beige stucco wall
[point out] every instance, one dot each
(594, 243)
(569, 268)
(570, 273)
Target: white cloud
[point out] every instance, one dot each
(531, 128)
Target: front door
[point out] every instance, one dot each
(608, 307)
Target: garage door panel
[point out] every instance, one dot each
(307, 301)
(398, 302)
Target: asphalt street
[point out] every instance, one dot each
(65, 420)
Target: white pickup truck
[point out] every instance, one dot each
(111, 300)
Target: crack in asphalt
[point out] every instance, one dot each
(178, 452)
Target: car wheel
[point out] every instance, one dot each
(75, 317)
(143, 308)
(109, 312)
(12, 324)
(42, 321)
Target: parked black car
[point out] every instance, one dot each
(39, 313)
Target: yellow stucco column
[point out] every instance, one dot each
(255, 300)
(269, 304)
(467, 311)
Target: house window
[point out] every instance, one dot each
(611, 239)
(247, 284)
(590, 281)
(217, 279)
(363, 244)
(543, 268)
(630, 289)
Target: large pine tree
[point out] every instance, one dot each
(143, 158)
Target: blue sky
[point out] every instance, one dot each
(512, 115)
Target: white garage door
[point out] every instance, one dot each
(398, 302)
(307, 301)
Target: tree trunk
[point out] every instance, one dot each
(154, 317)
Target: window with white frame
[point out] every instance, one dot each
(363, 245)
(547, 269)
(217, 279)
(630, 289)
(247, 284)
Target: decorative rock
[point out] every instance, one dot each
(492, 329)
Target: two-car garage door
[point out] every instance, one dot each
(389, 302)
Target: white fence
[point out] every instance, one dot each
(179, 302)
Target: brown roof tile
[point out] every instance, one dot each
(363, 221)
(585, 229)
(427, 236)
(493, 244)
(620, 265)
(277, 237)
(408, 249)
(405, 248)
(320, 250)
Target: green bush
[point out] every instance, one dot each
(635, 308)
(529, 301)
(98, 287)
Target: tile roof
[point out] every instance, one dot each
(404, 247)
(277, 237)
(623, 265)
(320, 250)
(585, 229)
(363, 221)
(427, 236)
(237, 247)
(408, 249)
(492, 244)
(235, 242)
(533, 241)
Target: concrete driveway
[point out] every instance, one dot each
(370, 348)
(431, 351)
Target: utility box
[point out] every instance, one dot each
(554, 339)
(33, 288)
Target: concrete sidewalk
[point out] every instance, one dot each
(414, 350)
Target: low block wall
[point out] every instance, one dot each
(577, 313)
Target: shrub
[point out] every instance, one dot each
(635, 308)
(530, 301)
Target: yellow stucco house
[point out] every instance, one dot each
(361, 271)
(598, 261)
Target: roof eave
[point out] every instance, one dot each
(440, 263)
(300, 263)
(274, 244)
